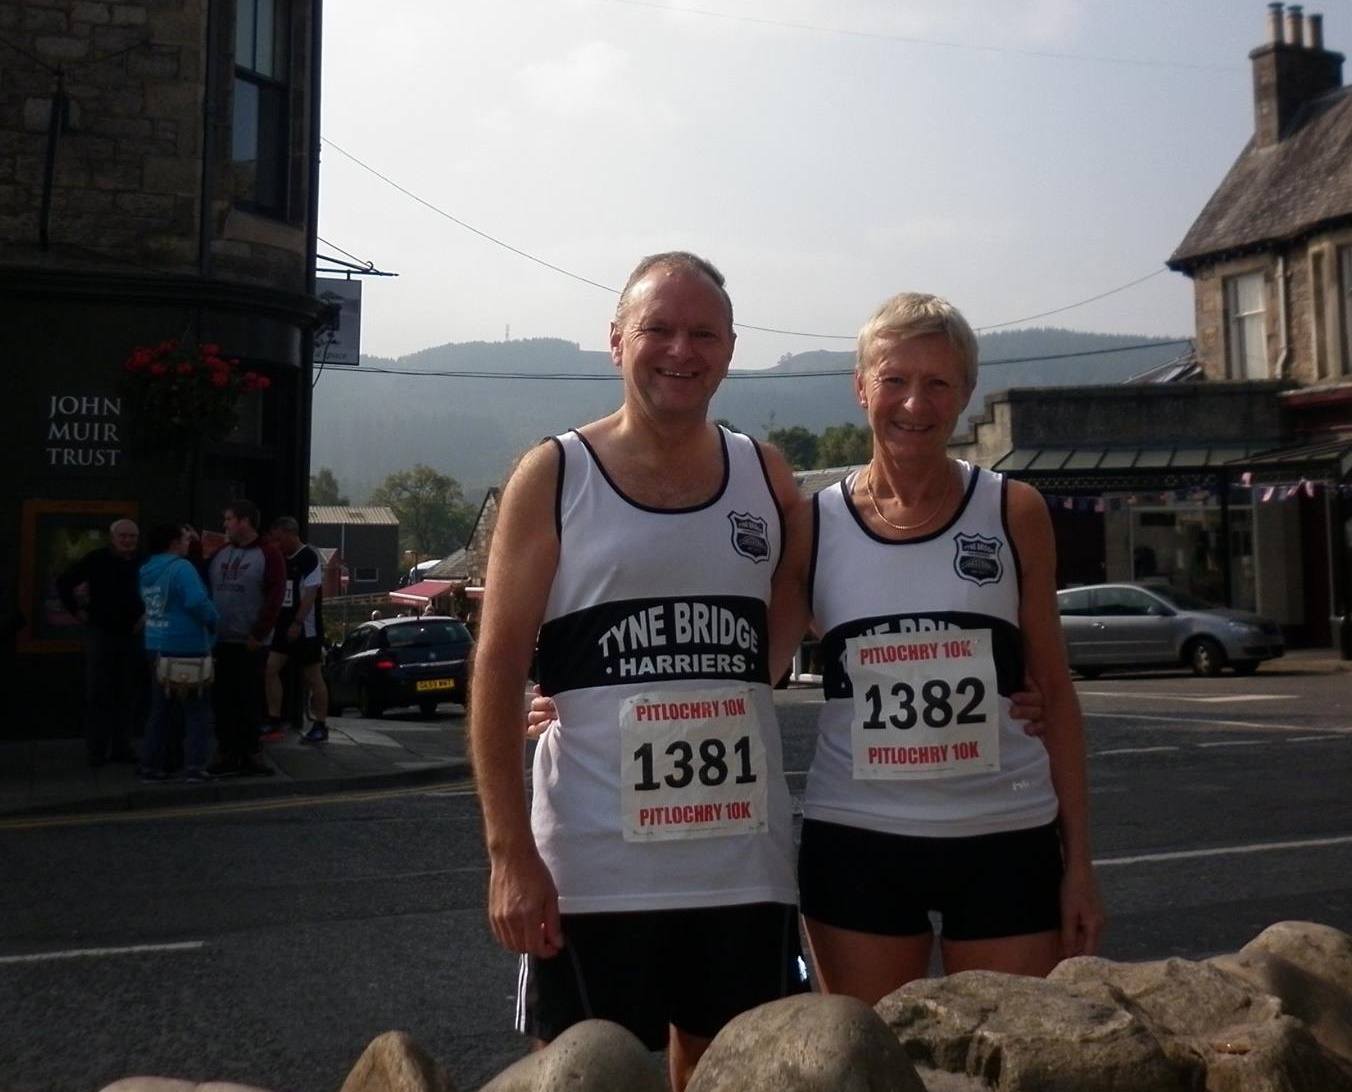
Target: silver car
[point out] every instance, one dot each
(1138, 625)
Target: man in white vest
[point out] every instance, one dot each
(649, 881)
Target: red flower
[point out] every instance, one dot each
(187, 392)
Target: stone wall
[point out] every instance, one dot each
(148, 84)
(1169, 415)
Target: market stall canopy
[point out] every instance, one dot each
(421, 593)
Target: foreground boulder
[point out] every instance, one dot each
(1021, 1034)
(807, 1043)
(394, 1062)
(1307, 967)
(593, 1056)
(1275, 1016)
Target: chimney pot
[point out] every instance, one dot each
(1315, 26)
(1295, 26)
(1275, 35)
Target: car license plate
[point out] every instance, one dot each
(434, 684)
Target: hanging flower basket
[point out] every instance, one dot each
(179, 393)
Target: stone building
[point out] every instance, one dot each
(158, 165)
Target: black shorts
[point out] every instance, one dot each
(645, 970)
(984, 887)
(306, 651)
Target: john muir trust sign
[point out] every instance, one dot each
(83, 434)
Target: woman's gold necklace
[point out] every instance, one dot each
(868, 488)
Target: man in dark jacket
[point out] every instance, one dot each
(101, 590)
(247, 581)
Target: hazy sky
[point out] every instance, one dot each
(1016, 156)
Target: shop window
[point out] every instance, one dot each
(1245, 327)
(259, 144)
(365, 575)
(1345, 306)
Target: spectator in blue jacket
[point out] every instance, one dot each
(180, 620)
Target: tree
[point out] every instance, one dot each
(798, 445)
(324, 488)
(425, 502)
(844, 445)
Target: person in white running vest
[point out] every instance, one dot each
(650, 879)
(932, 585)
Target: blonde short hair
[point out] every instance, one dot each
(915, 314)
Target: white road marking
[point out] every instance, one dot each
(1234, 743)
(87, 953)
(1204, 698)
(1223, 851)
(1206, 722)
(1134, 751)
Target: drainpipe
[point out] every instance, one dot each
(1284, 318)
(211, 95)
(305, 389)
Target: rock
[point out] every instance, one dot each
(1220, 1031)
(806, 1043)
(1022, 1034)
(1185, 1005)
(1308, 967)
(394, 1062)
(593, 1056)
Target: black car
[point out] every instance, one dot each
(400, 661)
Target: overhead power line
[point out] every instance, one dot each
(768, 373)
(615, 291)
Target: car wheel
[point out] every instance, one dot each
(1206, 657)
(1090, 673)
(1245, 667)
(427, 708)
(370, 708)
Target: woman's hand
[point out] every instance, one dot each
(542, 715)
(1082, 913)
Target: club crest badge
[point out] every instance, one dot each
(978, 559)
(750, 536)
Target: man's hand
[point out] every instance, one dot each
(253, 644)
(293, 631)
(541, 715)
(523, 906)
(1027, 705)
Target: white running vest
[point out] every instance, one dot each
(663, 785)
(921, 649)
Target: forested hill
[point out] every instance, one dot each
(507, 395)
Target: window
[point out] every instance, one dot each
(1074, 603)
(1124, 603)
(366, 575)
(1345, 304)
(259, 144)
(1246, 327)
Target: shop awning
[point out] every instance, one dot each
(1328, 458)
(421, 593)
(1097, 458)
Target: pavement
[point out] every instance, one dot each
(51, 776)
